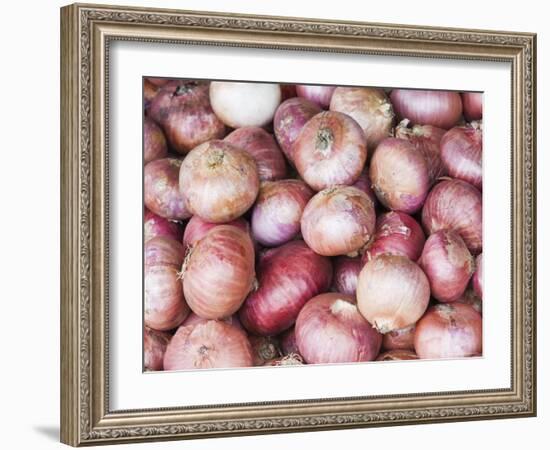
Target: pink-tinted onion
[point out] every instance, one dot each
(193, 319)
(346, 271)
(287, 91)
(473, 105)
(292, 359)
(402, 339)
(470, 298)
(319, 95)
(397, 355)
(264, 348)
(155, 225)
(154, 142)
(288, 342)
(364, 184)
(162, 250)
(197, 228)
(154, 347)
(477, 279)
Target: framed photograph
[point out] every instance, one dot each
(277, 224)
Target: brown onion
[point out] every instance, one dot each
(219, 181)
(197, 228)
(209, 345)
(338, 221)
(292, 359)
(264, 348)
(455, 205)
(399, 175)
(448, 331)
(154, 225)
(470, 298)
(397, 355)
(473, 105)
(346, 271)
(290, 276)
(219, 272)
(330, 150)
(448, 264)
(288, 342)
(402, 339)
(392, 292)
(319, 95)
(477, 279)
(154, 347)
(330, 329)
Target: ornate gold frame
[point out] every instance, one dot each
(86, 31)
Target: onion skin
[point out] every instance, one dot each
(287, 91)
(470, 298)
(288, 278)
(477, 279)
(448, 264)
(288, 342)
(290, 118)
(154, 225)
(193, 319)
(449, 331)
(197, 228)
(223, 261)
(346, 271)
(264, 348)
(278, 210)
(292, 359)
(164, 251)
(397, 355)
(154, 347)
(402, 339)
(473, 105)
(392, 292)
(219, 181)
(320, 95)
(338, 221)
(369, 107)
(161, 190)
(330, 329)
(364, 184)
(442, 109)
(263, 148)
(399, 175)
(461, 153)
(154, 142)
(330, 150)
(455, 205)
(209, 345)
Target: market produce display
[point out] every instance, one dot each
(288, 225)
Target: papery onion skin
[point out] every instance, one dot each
(364, 184)
(277, 212)
(441, 109)
(477, 279)
(392, 292)
(402, 339)
(455, 205)
(346, 271)
(330, 329)
(155, 225)
(338, 221)
(317, 94)
(219, 181)
(449, 331)
(288, 342)
(244, 104)
(461, 153)
(162, 250)
(470, 298)
(154, 142)
(369, 107)
(397, 355)
(448, 264)
(330, 150)
(219, 272)
(197, 228)
(264, 348)
(161, 191)
(287, 279)
(473, 105)
(292, 359)
(209, 345)
(193, 319)
(290, 118)
(399, 175)
(154, 347)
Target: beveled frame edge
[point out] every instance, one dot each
(85, 31)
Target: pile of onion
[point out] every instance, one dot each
(154, 225)
(318, 94)
(154, 347)
(154, 142)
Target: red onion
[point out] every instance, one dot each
(319, 95)
(262, 147)
(219, 272)
(338, 221)
(288, 342)
(288, 278)
(461, 149)
(441, 109)
(470, 298)
(154, 142)
(290, 118)
(162, 250)
(161, 191)
(197, 228)
(448, 331)
(264, 348)
(154, 347)
(278, 210)
(149, 92)
(402, 339)
(399, 175)
(330, 150)
(346, 271)
(154, 225)
(219, 181)
(209, 345)
(287, 91)
(473, 105)
(330, 329)
(477, 279)
(455, 205)
(193, 319)
(448, 265)
(397, 355)
(392, 292)
(244, 104)
(369, 107)
(364, 184)
(396, 233)
(292, 359)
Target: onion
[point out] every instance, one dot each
(448, 265)
(338, 221)
(319, 95)
(470, 298)
(219, 272)
(288, 342)
(288, 278)
(477, 279)
(197, 228)
(292, 359)
(399, 175)
(154, 225)
(392, 292)
(364, 184)
(287, 91)
(264, 348)
(455, 205)
(193, 319)
(330, 150)
(149, 92)
(162, 250)
(397, 355)
(369, 107)
(154, 142)
(461, 149)
(262, 147)
(154, 347)
(278, 210)
(473, 105)
(402, 339)
(161, 193)
(427, 140)
(396, 233)
(330, 329)
(219, 181)
(244, 104)
(448, 331)
(346, 271)
(209, 345)
(290, 118)
(441, 109)
(157, 81)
